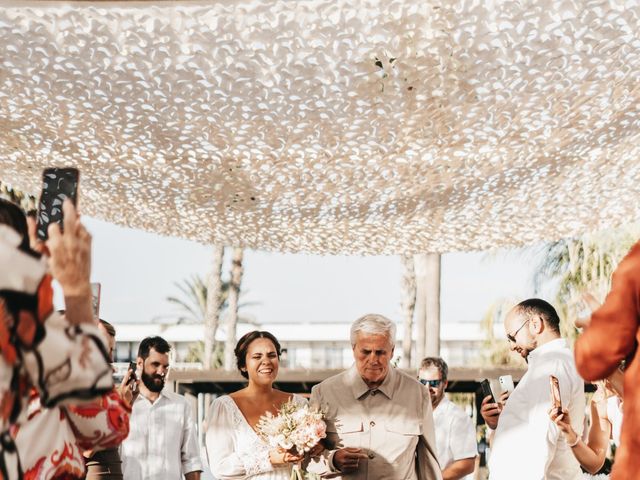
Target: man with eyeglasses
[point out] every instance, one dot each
(455, 435)
(527, 445)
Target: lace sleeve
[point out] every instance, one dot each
(233, 449)
(257, 461)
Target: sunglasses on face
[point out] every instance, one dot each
(512, 336)
(431, 383)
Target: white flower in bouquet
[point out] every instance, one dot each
(296, 428)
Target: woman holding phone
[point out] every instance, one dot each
(47, 414)
(590, 454)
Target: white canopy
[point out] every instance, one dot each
(370, 126)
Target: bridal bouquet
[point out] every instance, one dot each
(297, 428)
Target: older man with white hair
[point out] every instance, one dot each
(379, 419)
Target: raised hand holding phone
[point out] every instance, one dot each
(129, 387)
(58, 184)
(485, 385)
(70, 254)
(556, 401)
(490, 409)
(132, 372)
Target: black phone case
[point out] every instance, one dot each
(133, 367)
(57, 185)
(486, 390)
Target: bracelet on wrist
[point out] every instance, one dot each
(577, 440)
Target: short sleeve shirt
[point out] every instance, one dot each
(455, 435)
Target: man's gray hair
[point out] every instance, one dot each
(373, 324)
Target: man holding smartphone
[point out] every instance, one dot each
(163, 444)
(527, 445)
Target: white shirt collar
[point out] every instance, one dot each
(162, 395)
(553, 345)
(443, 405)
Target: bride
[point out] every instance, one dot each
(234, 449)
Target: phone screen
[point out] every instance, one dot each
(58, 184)
(132, 367)
(555, 394)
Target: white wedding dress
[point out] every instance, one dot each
(234, 449)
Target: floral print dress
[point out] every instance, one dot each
(56, 386)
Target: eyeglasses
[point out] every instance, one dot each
(512, 336)
(431, 383)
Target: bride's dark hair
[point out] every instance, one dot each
(243, 346)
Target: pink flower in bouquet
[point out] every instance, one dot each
(296, 427)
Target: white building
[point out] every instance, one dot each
(305, 346)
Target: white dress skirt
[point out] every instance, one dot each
(234, 449)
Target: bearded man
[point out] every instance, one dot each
(527, 444)
(162, 443)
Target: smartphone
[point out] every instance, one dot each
(132, 366)
(95, 299)
(485, 386)
(556, 402)
(506, 383)
(58, 184)
(133, 377)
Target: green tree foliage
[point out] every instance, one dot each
(196, 354)
(496, 351)
(582, 265)
(192, 304)
(192, 301)
(570, 268)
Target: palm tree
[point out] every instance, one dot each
(192, 302)
(199, 304)
(583, 265)
(420, 265)
(232, 314)
(216, 294)
(496, 350)
(432, 325)
(427, 307)
(408, 307)
(576, 266)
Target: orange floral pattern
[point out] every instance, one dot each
(70, 430)
(43, 361)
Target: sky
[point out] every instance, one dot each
(138, 271)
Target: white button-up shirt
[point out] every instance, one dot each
(527, 445)
(455, 434)
(162, 442)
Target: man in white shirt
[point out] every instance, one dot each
(455, 435)
(527, 445)
(162, 442)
